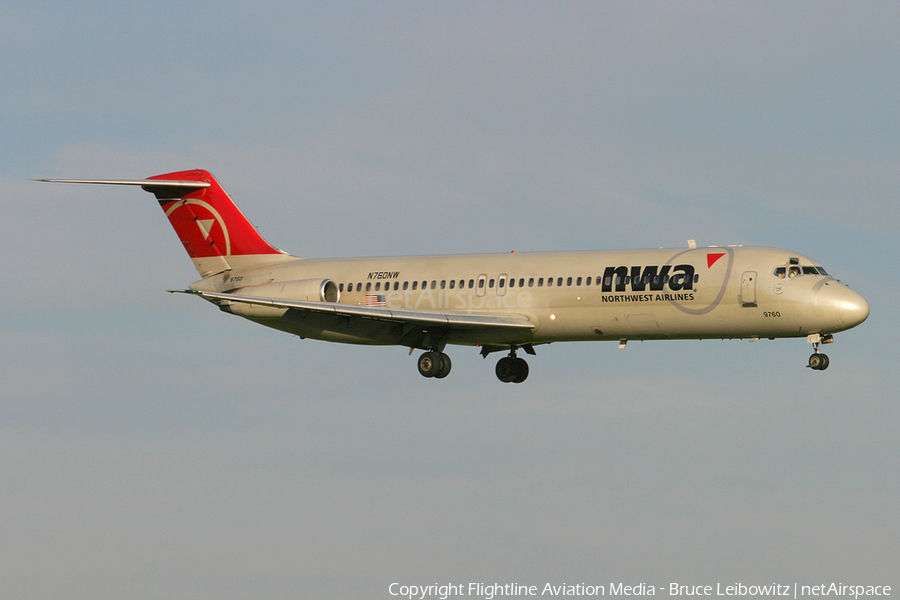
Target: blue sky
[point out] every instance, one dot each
(154, 447)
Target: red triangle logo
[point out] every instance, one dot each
(712, 258)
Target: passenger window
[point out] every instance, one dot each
(443, 283)
(415, 285)
(521, 282)
(531, 282)
(433, 283)
(512, 283)
(471, 283)
(569, 281)
(577, 281)
(369, 286)
(587, 280)
(378, 286)
(452, 283)
(540, 282)
(405, 285)
(502, 282)
(549, 281)
(491, 284)
(480, 284)
(341, 287)
(696, 279)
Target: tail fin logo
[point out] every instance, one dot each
(208, 223)
(205, 226)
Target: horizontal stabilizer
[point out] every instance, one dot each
(161, 188)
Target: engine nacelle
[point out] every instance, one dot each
(317, 290)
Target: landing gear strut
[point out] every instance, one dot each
(511, 369)
(819, 361)
(434, 364)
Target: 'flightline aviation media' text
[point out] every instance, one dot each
(492, 591)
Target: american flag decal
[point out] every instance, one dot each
(375, 300)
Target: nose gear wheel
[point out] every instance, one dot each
(819, 361)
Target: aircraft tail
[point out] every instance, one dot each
(215, 233)
(213, 230)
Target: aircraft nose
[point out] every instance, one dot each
(852, 308)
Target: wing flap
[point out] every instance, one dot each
(429, 318)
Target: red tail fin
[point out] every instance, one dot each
(213, 230)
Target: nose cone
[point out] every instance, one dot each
(852, 308)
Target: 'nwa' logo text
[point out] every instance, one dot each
(678, 277)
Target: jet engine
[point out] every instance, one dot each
(317, 290)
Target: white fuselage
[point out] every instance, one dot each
(718, 292)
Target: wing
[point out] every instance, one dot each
(425, 318)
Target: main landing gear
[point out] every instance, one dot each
(511, 369)
(819, 361)
(434, 364)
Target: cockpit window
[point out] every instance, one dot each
(797, 270)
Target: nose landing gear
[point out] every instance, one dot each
(819, 361)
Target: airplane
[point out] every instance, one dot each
(499, 302)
